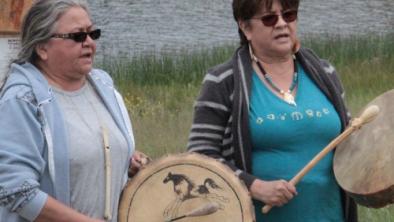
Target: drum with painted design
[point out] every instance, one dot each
(186, 187)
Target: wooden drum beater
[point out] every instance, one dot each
(368, 115)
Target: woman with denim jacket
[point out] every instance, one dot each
(62, 123)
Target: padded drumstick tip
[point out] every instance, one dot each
(207, 209)
(366, 116)
(266, 209)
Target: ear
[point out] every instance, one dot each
(245, 28)
(42, 51)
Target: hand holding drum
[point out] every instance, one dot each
(367, 116)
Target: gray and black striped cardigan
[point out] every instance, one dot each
(221, 113)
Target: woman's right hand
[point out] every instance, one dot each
(274, 193)
(137, 161)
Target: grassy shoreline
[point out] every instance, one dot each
(360, 61)
(160, 90)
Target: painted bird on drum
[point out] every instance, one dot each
(185, 189)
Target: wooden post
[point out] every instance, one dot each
(11, 17)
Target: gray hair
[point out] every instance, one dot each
(39, 25)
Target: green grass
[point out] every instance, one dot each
(160, 90)
(365, 64)
(161, 116)
(385, 214)
(165, 69)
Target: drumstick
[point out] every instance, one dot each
(206, 209)
(107, 168)
(367, 116)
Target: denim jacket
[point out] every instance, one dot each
(34, 161)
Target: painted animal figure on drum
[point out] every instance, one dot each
(185, 189)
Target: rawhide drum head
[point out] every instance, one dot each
(187, 188)
(364, 163)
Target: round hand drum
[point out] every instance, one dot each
(185, 187)
(364, 163)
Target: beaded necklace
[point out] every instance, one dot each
(286, 94)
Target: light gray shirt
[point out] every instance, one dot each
(34, 144)
(85, 115)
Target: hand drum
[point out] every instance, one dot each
(364, 163)
(185, 187)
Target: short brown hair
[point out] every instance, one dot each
(246, 9)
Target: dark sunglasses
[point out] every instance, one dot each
(79, 36)
(271, 19)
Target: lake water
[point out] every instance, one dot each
(132, 27)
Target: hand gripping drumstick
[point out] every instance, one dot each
(367, 116)
(206, 209)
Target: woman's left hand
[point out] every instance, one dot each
(138, 160)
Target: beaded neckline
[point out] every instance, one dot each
(286, 94)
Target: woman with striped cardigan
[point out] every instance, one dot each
(268, 110)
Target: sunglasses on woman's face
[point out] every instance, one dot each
(271, 19)
(79, 36)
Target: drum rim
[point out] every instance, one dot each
(199, 160)
(364, 197)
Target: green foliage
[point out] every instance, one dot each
(365, 64)
(164, 69)
(385, 214)
(342, 50)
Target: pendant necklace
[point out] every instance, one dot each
(287, 95)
